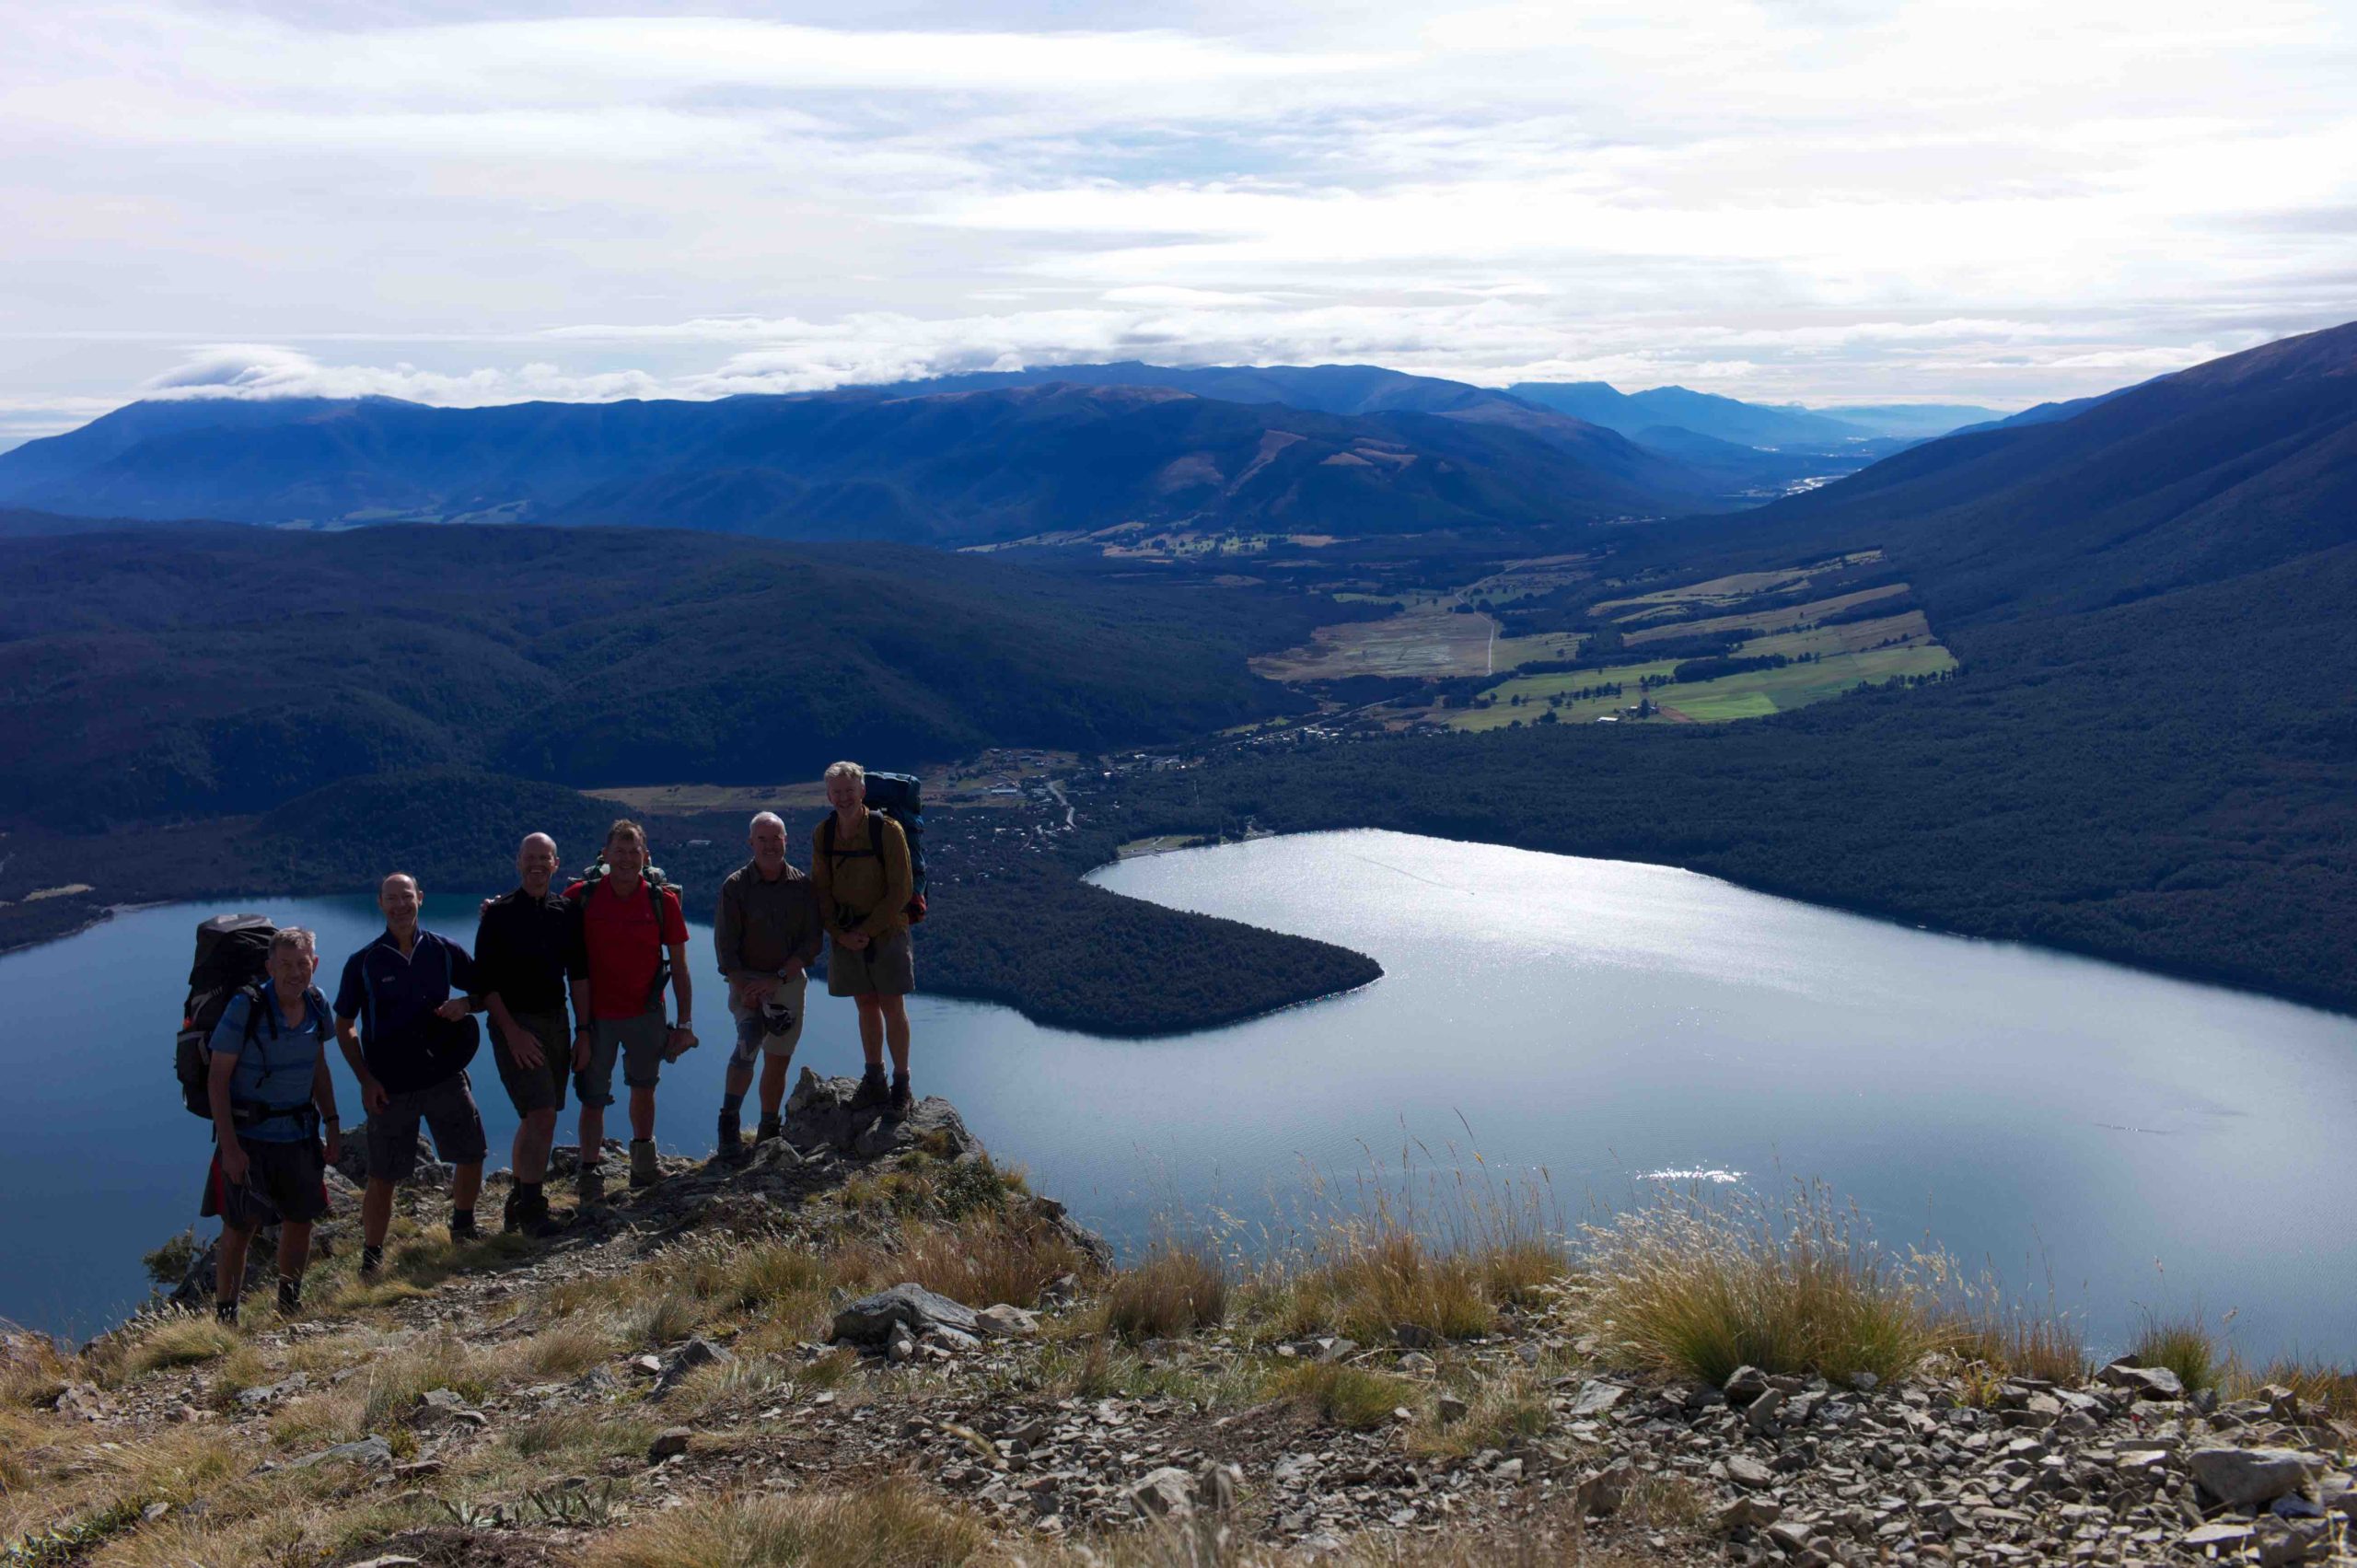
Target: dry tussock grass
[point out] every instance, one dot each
(177, 1338)
(1442, 1250)
(1176, 1290)
(1700, 1284)
(1348, 1396)
(893, 1525)
(569, 1348)
(988, 1258)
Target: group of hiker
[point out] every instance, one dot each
(613, 945)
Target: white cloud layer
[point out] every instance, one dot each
(1995, 199)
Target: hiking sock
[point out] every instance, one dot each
(463, 1225)
(226, 1312)
(290, 1296)
(371, 1259)
(732, 1105)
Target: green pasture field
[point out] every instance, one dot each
(1513, 653)
(1734, 590)
(1533, 690)
(1763, 619)
(1753, 693)
(1857, 637)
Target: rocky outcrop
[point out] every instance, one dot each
(818, 1116)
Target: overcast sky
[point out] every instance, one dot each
(1828, 201)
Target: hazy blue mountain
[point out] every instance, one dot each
(1705, 413)
(1329, 389)
(944, 468)
(1910, 422)
(1784, 426)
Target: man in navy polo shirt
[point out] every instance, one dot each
(395, 988)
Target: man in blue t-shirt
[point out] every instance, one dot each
(397, 990)
(271, 1093)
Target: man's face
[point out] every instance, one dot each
(399, 897)
(769, 845)
(536, 865)
(626, 854)
(845, 793)
(292, 967)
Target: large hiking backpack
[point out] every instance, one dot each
(655, 882)
(899, 796)
(232, 952)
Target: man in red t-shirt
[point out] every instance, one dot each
(625, 927)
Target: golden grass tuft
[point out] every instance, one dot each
(1701, 1285)
(2183, 1345)
(180, 1339)
(2332, 1389)
(572, 1346)
(890, 1525)
(1348, 1396)
(986, 1259)
(1176, 1290)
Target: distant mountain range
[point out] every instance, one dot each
(944, 468)
(1778, 426)
(953, 462)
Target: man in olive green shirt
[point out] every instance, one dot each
(859, 865)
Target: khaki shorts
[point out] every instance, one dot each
(759, 1034)
(886, 966)
(639, 1042)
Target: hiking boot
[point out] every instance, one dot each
(591, 1185)
(770, 1128)
(643, 1172)
(226, 1312)
(903, 1099)
(372, 1262)
(529, 1213)
(872, 1091)
(509, 1223)
(462, 1226)
(732, 1137)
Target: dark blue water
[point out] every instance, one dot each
(2139, 1141)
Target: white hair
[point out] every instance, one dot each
(769, 816)
(846, 770)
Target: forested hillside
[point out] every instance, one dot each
(224, 669)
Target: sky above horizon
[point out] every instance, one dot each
(1993, 201)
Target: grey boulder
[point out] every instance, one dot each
(2252, 1477)
(868, 1320)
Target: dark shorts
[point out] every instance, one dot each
(284, 1181)
(448, 1108)
(639, 1042)
(886, 966)
(542, 1087)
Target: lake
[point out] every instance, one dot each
(2138, 1142)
